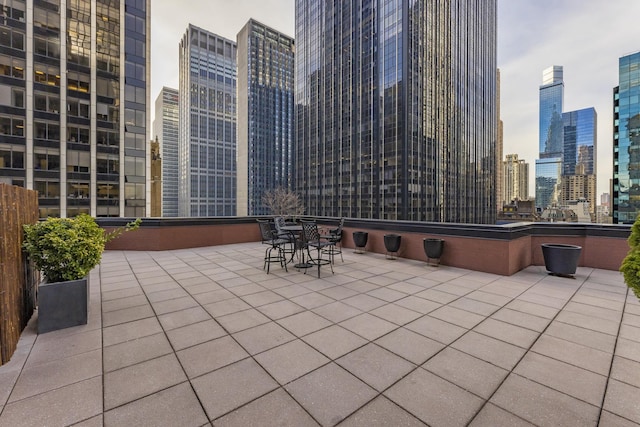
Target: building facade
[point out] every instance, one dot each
(385, 128)
(515, 173)
(579, 165)
(265, 114)
(156, 179)
(166, 129)
(74, 97)
(207, 116)
(626, 141)
(551, 139)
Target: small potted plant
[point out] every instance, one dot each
(630, 266)
(65, 250)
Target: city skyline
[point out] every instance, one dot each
(577, 35)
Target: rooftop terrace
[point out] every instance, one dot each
(203, 335)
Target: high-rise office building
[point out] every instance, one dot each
(500, 170)
(74, 104)
(626, 141)
(207, 117)
(515, 173)
(551, 140)
(265, 114)
(579, 157)
(166, 129)
(155, 178)
(395, 109)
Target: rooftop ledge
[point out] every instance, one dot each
(499, 249)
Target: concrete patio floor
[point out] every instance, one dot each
(205, 337)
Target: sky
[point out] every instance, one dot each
(586, 37)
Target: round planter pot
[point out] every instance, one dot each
(433, 249)
(360, 241)
(392, 244)
(561, 259)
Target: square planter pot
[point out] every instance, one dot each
(62, 304)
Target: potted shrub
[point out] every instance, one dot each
(65, 250)
(433, 249)
(630, 266)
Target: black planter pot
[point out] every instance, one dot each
(560, 259)
(392, 244)
(360, 241)
(433, 249)
(62, 304)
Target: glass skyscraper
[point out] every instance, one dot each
(74, 104)
(207, 111)
(166, 129)
(626, 141)
(396, 109)
(265, 114)
(551, 140)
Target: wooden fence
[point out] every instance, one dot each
(18, 281)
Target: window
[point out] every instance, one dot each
(46, 19)
(78, 161)
(78, 190)
(46, 74)
(107, 164)
(11, 157)
(78, 108)
(108, 190)
(135, 140)
(46, 159)
(47, 130)
(134, 166)
(78, 81)
(11, 38)
(47, 189)
(11, 96)
(134, 94)
(107, 87)
(10, 125)
(46, 102)
(78, 134)
(11, 67)
(47, 46)
(13, 9)
(108, 138)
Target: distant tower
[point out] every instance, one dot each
(156, 179)
(626, 141)
(166, 129)
(579, 157)
(500, 181)
(551, 141)
(207, 115)
(515, 174)
(265, 114)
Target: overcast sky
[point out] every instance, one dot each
(586, 37)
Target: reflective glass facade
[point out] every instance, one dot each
(395, 109)
(74, 80)
(166, 128)
(207, 111)
(551, 140)
(579, 157)
(265, 114)
(626, 141)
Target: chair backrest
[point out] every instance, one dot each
(310, 231)
(279, 222)
(338, 231)
(265, 231)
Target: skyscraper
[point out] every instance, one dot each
(549, 166)
(166, 129)
(515, 174)
(395, 109)
(265, 114)
(626, 141)
(69, 70)
(579, 157)
(207, 114)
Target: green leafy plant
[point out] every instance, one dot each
(630, 266)
(68, 248)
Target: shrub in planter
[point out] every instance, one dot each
(65, 250)
(630, 266)
(68, 248)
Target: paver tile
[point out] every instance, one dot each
(418, 304)
(177, 406)
(364, 302)
(304, 323)
(489, 349)
(263, 337)
(194, 334)
(280, 309)
(334, 341)
(181, 318)
(462, 318)
(290, 361)
(375, 366)
(512, 334)
(330, 394)
(276, 409)
(337, 311)
(621, 399)
(626, 371)
(467, 372)
(381, 412)
(586, 337)
(492, 416)
(396, 314)
(242, 320)
(436, 329)
(433, 400)
(541, 405)
(410, 345)
(368, 326)
(575, 354)
(210, 355)
(231, 387)
(131, 352)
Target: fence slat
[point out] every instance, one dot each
(18, 206)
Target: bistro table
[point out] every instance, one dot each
(296, 233)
